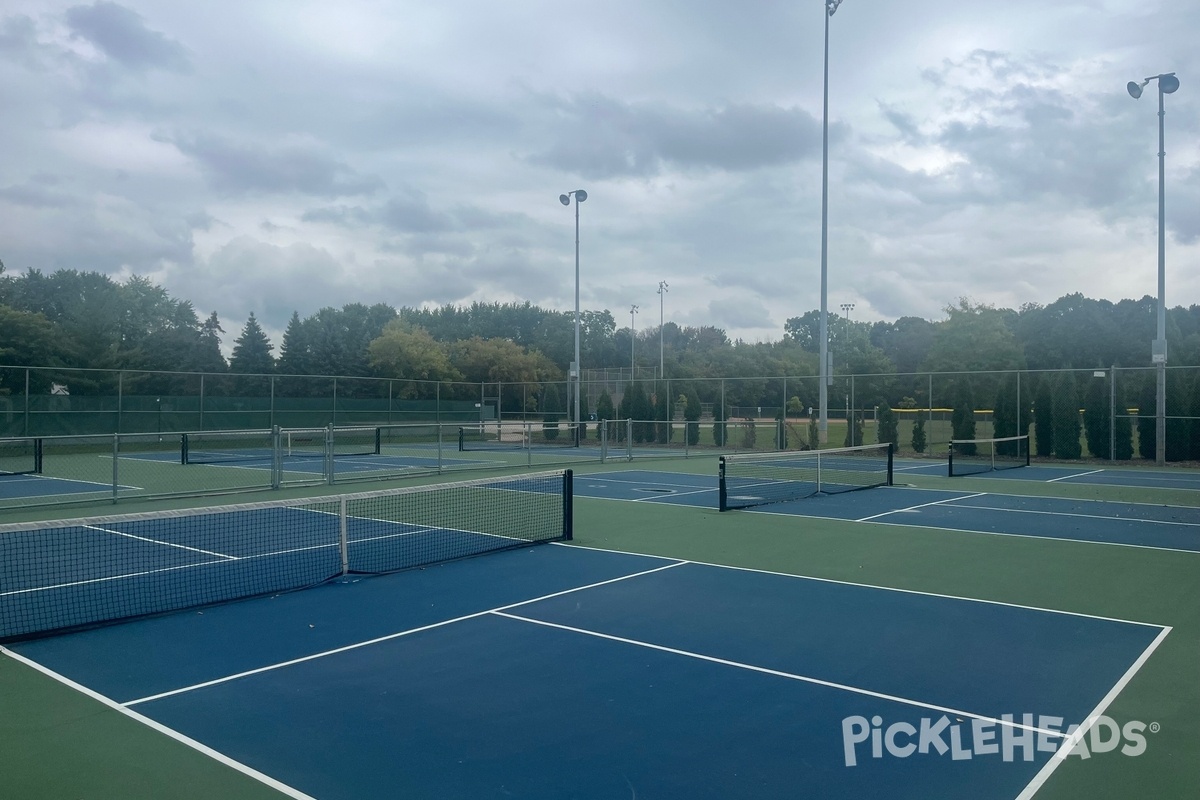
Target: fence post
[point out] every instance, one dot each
(1112, 414)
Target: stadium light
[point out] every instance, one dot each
(575, 373)
(831, 6)
(1167, 83)
(662, 290)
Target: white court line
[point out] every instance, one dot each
(377, 640)
(921, 505)
(160, 542)
(219, 757)
(673, 493)
(1075, 475)
(1086, 516)
(867, 585)
(779, 673)
(1064, 749)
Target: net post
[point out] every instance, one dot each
(329, 451)
(629, 439)
(603, 440)
(183, 449)
(276, 457)
(568, 532)
(343, 536)
(1027, 448)
(462, 444)
(439, 446)
(891, 452)
(379, 434)
(950, 460)
(722, 491)
(116, 452)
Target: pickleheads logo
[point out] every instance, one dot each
(1009, 737)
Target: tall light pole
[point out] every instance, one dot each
(632, 338)
(846, 309)
(831, 6)
(574, 372)
(662, 290)
(1167, 83)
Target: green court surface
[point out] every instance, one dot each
(56, 742)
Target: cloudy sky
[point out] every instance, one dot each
(275, 155)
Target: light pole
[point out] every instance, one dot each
(632, 338)
(846, 309)
(1167, 83)
(662, 290)
(574, 372)
(831, 6)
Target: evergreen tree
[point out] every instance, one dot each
(692, 415)
(1097, 422)
(719, 424)
(919, 441)
(640, 412)
(1004, 416)
(551, 411)
(1066, 417)
(962, 419)
(1179, 431)
(888, 426)
(1043, 417)
(605, 413)
(252, 351)
(1147, 435)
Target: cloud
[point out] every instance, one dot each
(121, 34)
(245, 167)
(600, 137)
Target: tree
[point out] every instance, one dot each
(1043, 417)
(888, 426)
(551, 410)
(604, 407)
(919, 441)
(252, 351)
(1147, 432)
(1066, 417)
(719, 423)
(1097, 422)
(962, 419)
(405, 351)
(692, 416)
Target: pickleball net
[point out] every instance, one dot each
(20, 456)
(224, 447)
(71, 573)
(756, 479)
(975, 456)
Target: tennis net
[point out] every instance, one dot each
(20, 456)
(220, 447)
(71, 573)
(517, 435)
(973, 456)
(755, 479)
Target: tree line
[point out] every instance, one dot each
(71, 319)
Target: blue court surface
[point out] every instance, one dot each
(1095, 521)
(559, 671)
(44, 486)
